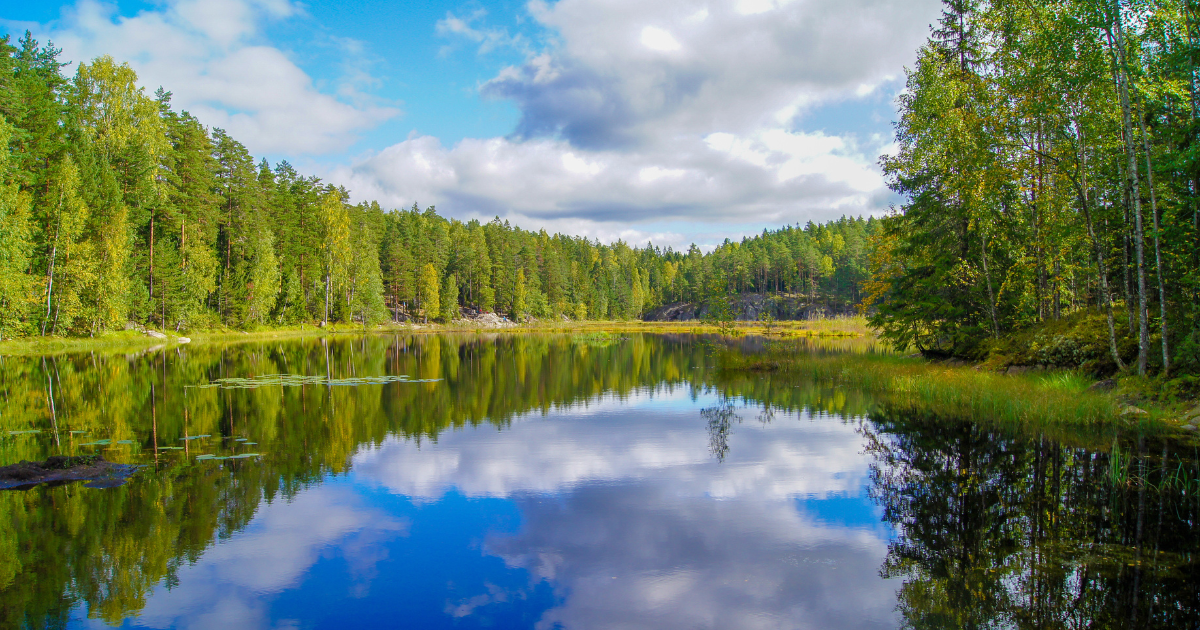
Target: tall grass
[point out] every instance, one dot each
(842, 326)
(1028, 401)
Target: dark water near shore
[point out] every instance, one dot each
(563, 482)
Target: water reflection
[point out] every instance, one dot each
(549, 481)
(1003, 532)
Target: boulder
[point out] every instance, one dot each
(1103, 386)
(155, 334)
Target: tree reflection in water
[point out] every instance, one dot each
(992, 530)
(999, 531)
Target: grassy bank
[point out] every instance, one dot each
(136, 341)
(1040, 400)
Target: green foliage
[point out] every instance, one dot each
(449, 300)
(1039, 146)
(430, 300)
(116, 208)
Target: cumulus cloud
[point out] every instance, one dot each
(773, 176)
(209, 54)
(675, 110)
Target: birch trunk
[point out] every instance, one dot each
(1138, 230)
(1162, 291)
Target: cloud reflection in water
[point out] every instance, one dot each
(636, 525)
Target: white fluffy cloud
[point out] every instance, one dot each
(209, 53)
(679, 110)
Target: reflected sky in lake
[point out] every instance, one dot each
(612, 513)
(567, 481)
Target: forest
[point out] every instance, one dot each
(1048, 160)
(115, 208)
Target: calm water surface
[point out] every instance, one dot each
(563, 482)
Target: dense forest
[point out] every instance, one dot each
(115, 208)
(1048, 158)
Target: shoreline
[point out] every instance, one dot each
(1048, 400)
(138, 341)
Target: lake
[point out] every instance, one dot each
(559, 481)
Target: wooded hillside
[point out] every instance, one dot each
(116, 208)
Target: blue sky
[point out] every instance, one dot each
(676, 121)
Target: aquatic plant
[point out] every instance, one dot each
(297, 380)
(1026, 400)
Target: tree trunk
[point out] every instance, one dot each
(1162, 291)
(991, 294)
(1139, 233)
(50, 278)
(152, 261)
(1106, 297)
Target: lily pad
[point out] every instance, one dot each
(97, 443)
(123, 442)
(25, 432)
(297, 380)
(193, 437)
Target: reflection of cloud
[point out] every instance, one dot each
(641, 556)
(225, 587)
(645, 529)
(612, 441)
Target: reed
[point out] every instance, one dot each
(1032, 400)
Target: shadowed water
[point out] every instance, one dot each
(562, 482)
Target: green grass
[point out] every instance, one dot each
(1038, 400)
(131, 341)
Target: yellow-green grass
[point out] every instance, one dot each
(849, 326)
(135, 341)
(1043, 400)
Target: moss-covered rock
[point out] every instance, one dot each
(1077, 341)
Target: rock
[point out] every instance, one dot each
(1103, 386)
(1130, 410)
(1188, 427)
(91, 468)
(490, 320)
(1194, 414)
(155, 334)
(184, 340)
(1017, 369)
